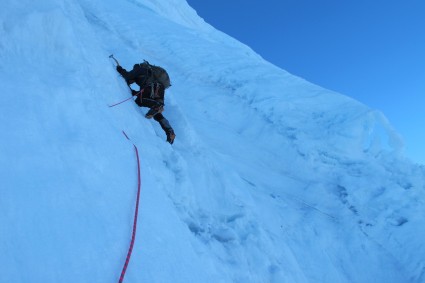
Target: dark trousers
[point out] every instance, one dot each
(144, 100)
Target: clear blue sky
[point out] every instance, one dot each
(371, 50)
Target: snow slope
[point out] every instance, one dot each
(270, 179)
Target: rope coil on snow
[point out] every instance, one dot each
(133, 236)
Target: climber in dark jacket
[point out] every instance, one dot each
(151, 94)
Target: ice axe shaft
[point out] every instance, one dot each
(118, 64)
(116, 61)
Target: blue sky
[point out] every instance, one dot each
(371, 50)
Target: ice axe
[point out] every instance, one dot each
(118, 64)
(116, 61)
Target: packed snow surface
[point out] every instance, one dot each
(270, 178)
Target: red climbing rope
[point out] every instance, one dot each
(120, 103)
(136, 212)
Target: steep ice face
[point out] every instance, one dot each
(271, 178)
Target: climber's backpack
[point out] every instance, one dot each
(154, 74)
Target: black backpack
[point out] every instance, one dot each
(153, 74)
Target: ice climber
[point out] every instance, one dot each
(153, 81)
